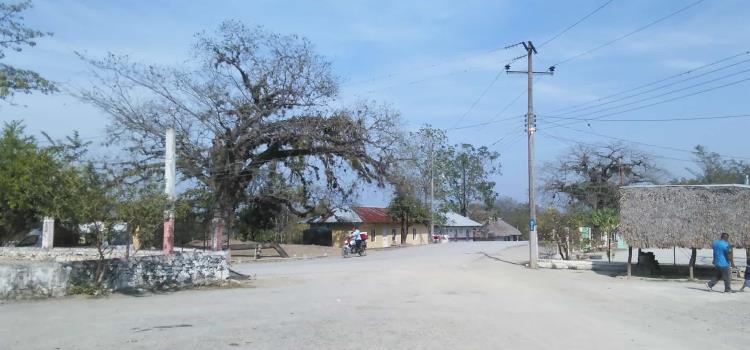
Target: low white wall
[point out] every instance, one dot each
(25, 279)
(595, 265)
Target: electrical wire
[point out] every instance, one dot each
(665, 86)
(476, 102)
(421, 68)
(735, 116)
(689, 71)
(659, 102)
(577, 142)
(565, 30)
(588, 132)
(639, 29)
(575, 24)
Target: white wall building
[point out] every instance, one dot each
(458, 227)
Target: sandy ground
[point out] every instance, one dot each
(446, 296)
(299, 251)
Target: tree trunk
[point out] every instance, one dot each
(99, 276)
(609, 248)
(630, 259)
(404, 229)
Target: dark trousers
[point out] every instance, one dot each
(722, 273)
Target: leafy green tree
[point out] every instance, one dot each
(27, 181)
(15, 36)
(194, 210)
(407, 210)
(460, 173)
(606, 220)
(467, 176)
(141, 207)
(714, 169)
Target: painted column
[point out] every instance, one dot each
(169, 190)
(218, 234)
(48, 233)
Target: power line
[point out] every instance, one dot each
(471, 108)
(689, 71)
(425, 67)
(736, 116)
(588, 132)
(495, 119)
(577, 142)
(667, 85)
(519, 57)
(663, 94)
(489, 122)
(510, 139)
(575, 24)
(640, 29)
(659, 102)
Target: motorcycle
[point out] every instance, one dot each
(350, 247)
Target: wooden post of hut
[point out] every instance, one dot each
(630, 261)
(693, 256)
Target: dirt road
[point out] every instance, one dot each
(445, 296)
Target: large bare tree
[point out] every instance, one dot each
(591, 174)
(255, 119)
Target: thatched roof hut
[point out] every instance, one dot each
(688, 216)
(497, 229)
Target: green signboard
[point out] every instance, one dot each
(585, 233)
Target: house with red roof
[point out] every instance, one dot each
(382, 231)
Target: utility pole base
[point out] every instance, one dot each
(168, 245)
(533, 250)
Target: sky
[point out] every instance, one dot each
(441, 63)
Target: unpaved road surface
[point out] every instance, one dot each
(446, 296)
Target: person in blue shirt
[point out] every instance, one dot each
(355, 235)
(722, 261)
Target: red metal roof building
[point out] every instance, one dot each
(372, 215)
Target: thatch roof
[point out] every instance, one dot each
(689, 216)
(498, 228)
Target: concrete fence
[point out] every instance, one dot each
(50, 278)
(594, 265)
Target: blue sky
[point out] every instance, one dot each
(431, 60)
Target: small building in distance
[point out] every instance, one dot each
(498, 230)
(458, 227)
(382, 231)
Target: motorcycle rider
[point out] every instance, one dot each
(355, 235)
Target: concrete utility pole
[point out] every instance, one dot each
(531, 130)
(432, 188)
(169, 190)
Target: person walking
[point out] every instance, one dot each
(722, 261)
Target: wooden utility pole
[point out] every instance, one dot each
(531, 130)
